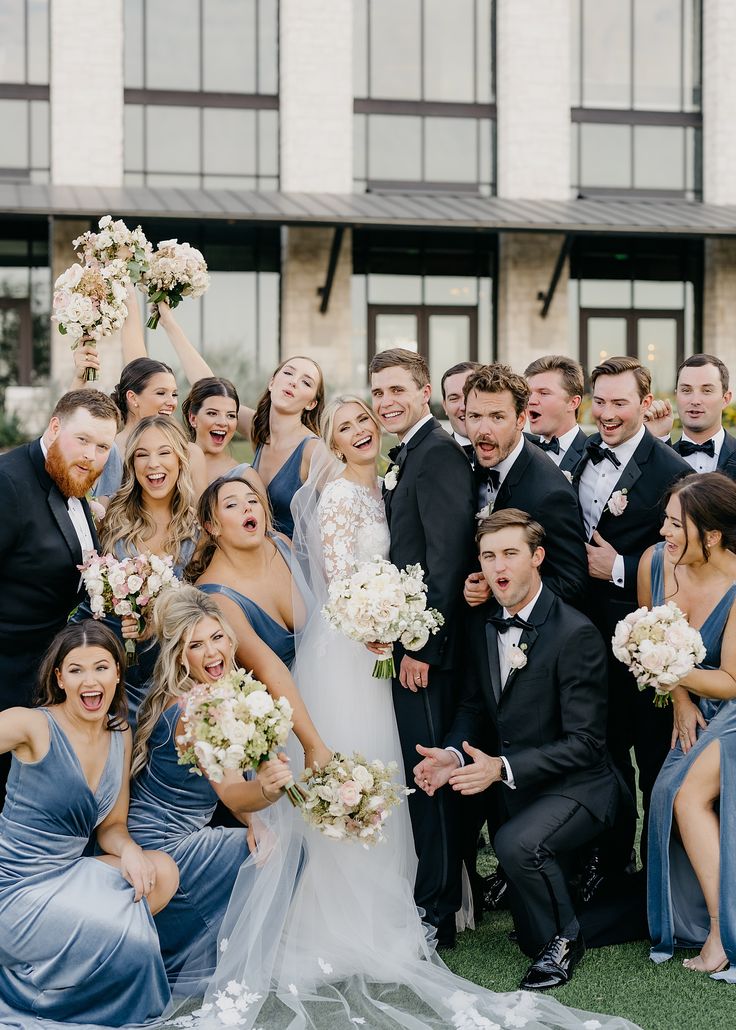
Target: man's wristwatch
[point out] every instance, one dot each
(504, 771)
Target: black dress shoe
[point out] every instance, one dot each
(554, 964)
(495, 892)
(446, 933)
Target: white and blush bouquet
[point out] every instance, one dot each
(379, 603)
(126, 586)
(115, 242)
(233, 724)
(659, 646)
(350, 798)
(89, 303)
(176, 270)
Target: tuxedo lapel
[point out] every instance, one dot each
(574, 453)
(401, 459)
(59, 510)
(526, 643)
(513, 476)
(494, 666)
(91, 523)
(728, 452)
(530, 636)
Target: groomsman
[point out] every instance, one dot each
(702, 394)
(620, 482)
(429, 508)
(453, 402)
(45, 529)
(557, 385)
(532, 718)
(511, 472)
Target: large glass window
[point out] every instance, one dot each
(637, 97)
(210, 118)
(424, 92)
(24, 90)
(25, 295)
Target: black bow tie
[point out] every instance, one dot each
(503, 624)
(597, 454)
(687, 448)
(490, 476)
(395, 452)
(549, 445)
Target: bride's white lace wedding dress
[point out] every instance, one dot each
(325, 934)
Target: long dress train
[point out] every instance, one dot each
(678, 917)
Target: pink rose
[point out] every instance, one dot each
(617, 502)
(350, 793)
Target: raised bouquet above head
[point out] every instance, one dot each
(350, 798)
(126, 586)
(176, 270)
(233, 724)
(115, 242)
(380, 604)
(89, 303)
(659, 646)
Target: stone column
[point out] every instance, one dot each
(719, 300)
(533, 163)
(316, 132)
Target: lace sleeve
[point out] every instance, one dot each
(338, 529)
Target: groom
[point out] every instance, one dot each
(430, 508)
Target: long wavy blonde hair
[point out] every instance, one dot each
(127, 519)
(176, 615)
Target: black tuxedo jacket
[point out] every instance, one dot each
(535, 485)
(572, 455)
(549, 719)
(727, 457)
(39, 554)
(431, 518)
(652, 469)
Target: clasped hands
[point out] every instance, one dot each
(440, 766)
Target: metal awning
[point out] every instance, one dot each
(652, 217)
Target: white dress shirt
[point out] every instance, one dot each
(77, 516)
(597, 483)
(506, 641)
(462, 440)
(486, 493)
(415, 428)
(565, 442)
(701, 462)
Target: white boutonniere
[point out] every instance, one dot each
(517, 656)
(617, 502)
(392, 477)
(486, 511)
(567, 474)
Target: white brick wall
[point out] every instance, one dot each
(719, 102)
(533, 98)
(316, 95)
(87, 92)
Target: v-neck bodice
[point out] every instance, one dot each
(283, 486)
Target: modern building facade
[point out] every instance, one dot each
(476, 179)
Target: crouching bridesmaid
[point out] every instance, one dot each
(79, 943)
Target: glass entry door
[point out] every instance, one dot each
(443, 334)
(656, 337)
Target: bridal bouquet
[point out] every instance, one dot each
(126, 586)
(380, 603)
(350, 799)
(89, 303)
(659, 646)
(176, 270)
(115, 242)
(233, 724)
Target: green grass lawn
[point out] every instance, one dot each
(619, 980)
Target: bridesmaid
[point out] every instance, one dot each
(284, 426)
(152, 512)
(79, 942)
(210, 414)
(248, 570)
(170, 807)
(691, 879)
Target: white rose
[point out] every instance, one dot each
(391, 478)
(516, 657)
(259, 703)
(134, 584)
(97, 604)
(362, 777)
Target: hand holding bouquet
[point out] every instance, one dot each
(89, 303)
(380, 603)
(126, 586)
(350, 799)
(233, 724)
(176, 270)
(115, 242)
(659, 646)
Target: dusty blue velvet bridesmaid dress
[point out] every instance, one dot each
(678, 917)
(283, 486)
(170, 808)
(74, 946)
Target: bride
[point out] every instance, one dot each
(321, 933)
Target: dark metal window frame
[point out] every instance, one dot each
(423, 313)
(632, 317)
(28, 91)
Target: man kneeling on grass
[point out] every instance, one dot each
(531, 723)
